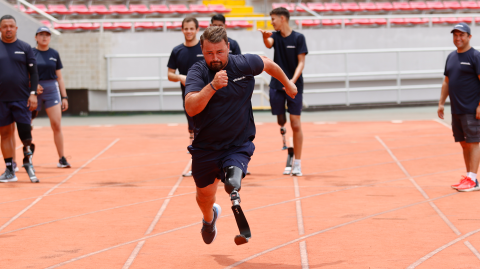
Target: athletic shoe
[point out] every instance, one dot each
(462, 180)
(8, 177)
(248, 172)
(62, 163)
(15, 167)
(209, 231)
(468, 185)
(188, 174)
(297, 171)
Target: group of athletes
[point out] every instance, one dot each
(29, 79)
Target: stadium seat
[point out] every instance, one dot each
(203, 24)
(317, 7)
(452, 5)
(386, 6)
(119, 9)
(144, 25)
(99, 9)
(64, 26)
(289, 7)
(59, 9)
(331, 22)
(140, 9)
(41, 7)
(46, 23)
(199, 9)
(308, 22)
(87, 26)
(398, 21)
(358, 22)
(117, 25)
(182, 9)
(436, 21)
(174, 25)
(469, 5)
(334, 7)
(22, 8)
(218, 8)
(416, 21)
(402, 6)
(465, 20)
(378, 21)
(436, 5)
(419, 5)
(80, 9)
(370, 6)
(242, 24)
(353, 7)
(161, 9)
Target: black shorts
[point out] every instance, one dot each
(278, 98)
(208, 165)
(16, 111)
(465, 127)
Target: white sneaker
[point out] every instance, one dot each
(8, 177)
(188, 174)
(297, 171)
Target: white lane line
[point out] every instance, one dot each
(172, 124)
(301, 228)
(397, 121)
(443, 123)
(165, 203)
(429, 255)
(472, 248)
(440, 213)
(56, 186)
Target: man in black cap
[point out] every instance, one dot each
(462, 84)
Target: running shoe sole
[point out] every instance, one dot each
(63, 165)
(471, 189)
(14, 179)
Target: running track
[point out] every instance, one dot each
(373, 195)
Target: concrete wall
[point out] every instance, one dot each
(27, 26)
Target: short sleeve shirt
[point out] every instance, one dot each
(286, 54)
(234, 47)
(48, 62)
(227, 120)
(182, 58)
(462, 70)
(14, 77)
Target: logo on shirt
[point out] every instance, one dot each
(199, 55)
(290, 47)
(19, 52)
(52, 59)
(237, 79)
(465, 63)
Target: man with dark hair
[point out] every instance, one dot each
(462, 83)
(18, 97)
(182, 58)
(219, 20)
(290, 51)
(218, 97)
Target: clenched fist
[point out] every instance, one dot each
(220, 80)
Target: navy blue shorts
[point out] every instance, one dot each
(466, 128)
(207, 165)
(50, 96)
(16, 111)
(278, 98)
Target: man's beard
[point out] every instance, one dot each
(216, 66)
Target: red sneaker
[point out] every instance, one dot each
(468, 185)
(455, 186)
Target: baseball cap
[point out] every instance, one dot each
(43, 29)
(463, 27)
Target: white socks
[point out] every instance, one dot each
(298, 163)
(473, 176)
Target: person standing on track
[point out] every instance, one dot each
(219, 20)
(462, 84)
(18, 69)
(218, 97)
(54, 96)
(182, 58)
(290, 51)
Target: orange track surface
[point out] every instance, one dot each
(373, 195)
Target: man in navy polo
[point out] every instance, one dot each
(18, 95)
(462, 84)
(290, 51)
(219, 20)
(218, 97)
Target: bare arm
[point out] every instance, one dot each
(195, 102)
(267, 40)
(299, 69)
(275, 71)
(63, 90)
(176, 77)
(443, 98)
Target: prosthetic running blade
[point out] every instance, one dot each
(242, 222)
(31, 173)
(288, 167)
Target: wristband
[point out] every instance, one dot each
(65, 97)
(212, 87)
(33, 93)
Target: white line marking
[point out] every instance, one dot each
(140, 244)
(108, 125)
(397, 121)
(440, 213)
(172, 124)
(443, 123)
(95, 126)
(301, 228)
(429, 255)
(258, 123)
(472, 248)
(319, 122)
(56, 186)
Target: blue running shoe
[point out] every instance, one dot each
(209, 231)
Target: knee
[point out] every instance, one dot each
(296, 126)
(204, 196)
(233, 179)
(56, 127)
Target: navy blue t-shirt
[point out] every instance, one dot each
(286, 54)
(14, 77)
(48, 62)
(182, 58)
(234, 47)
(462, 70)
(227, 120)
